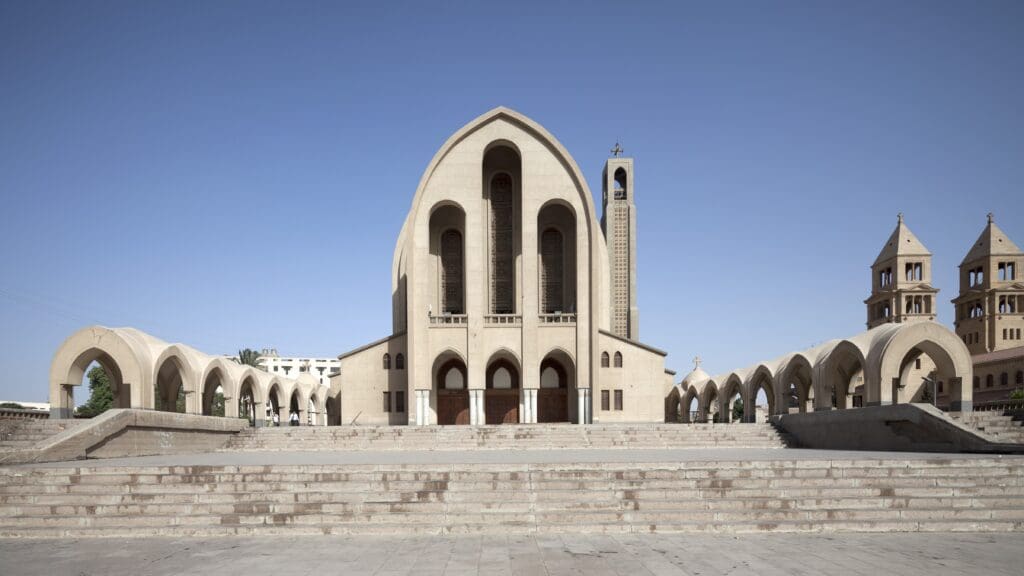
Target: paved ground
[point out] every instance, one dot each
(588, 455)
(660, 555)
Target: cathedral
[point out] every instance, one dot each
(513, 300)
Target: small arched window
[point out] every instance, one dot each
(988, 381)
(399, 362)
(1004, 379)
(1020, 377)
(387, 361)
(977, 382)
(604, 360)
(618, 359)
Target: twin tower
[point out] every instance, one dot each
(988, 311)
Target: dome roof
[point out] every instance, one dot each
(696, 375)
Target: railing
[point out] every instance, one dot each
(24, 414)
(503, 319)
(449, 320)
(557, 318)
(999, 406)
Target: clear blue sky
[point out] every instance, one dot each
(235, 174)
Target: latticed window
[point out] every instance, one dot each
(387, 361)
(451, 273)
(502, 245)
(620, 271)
(618, 359)
(604, 360)
(551, 255)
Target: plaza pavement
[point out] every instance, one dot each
(901, 554)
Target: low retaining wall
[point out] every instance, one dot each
(898, 427)
(129, 432)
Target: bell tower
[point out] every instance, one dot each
(990, 306)
(618, 221)
(901, 280)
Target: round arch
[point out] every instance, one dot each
(450, 393)
(127, 363)
(503, 383)
(557, 392)
(952, 359)
(835, 375)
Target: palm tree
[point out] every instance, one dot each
(248, 357)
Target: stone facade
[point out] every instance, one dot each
(508, 293)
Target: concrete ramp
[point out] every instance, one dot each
(900, 428)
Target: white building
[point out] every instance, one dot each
(292, 367)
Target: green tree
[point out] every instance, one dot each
(101, 397)
(248, 357)
(737, 410)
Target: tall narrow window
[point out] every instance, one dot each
(1004, 379)
(451, 273)
(502, 220)
(387, 401)
(618, 399)
(400, 362)
(620, 184)
(387, 361)
(604, 360)
(552, 257)
(618, 359)
(605, 404)
(400, 401)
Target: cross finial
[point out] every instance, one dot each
(696, 362)
(899, 218)
(991, 218)
(617, 151)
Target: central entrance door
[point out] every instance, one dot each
(553, 395)
(452, 395)
(501, 399)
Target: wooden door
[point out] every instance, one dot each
(552, 405)
(452, 407)
(501, 406)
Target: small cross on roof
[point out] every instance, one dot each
(617, 151)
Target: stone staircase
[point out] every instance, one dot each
(1005, 427)
(979, 493)
(519, 437)
(25, 432)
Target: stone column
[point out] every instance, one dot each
(529, 415)
(477, 416)
(583, 406)
(422, 407)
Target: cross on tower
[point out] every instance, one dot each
(696, 362)
(617, 151)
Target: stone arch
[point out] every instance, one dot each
(174, 380)
(249, 405)
(447, 237)
(689, 411)
(502, 178)
(503, 384)
(332, 407)
(795, 384)
(835, 373)
(126, 362)
(761, 379)
(450, 394)
(557, 257)
(672, 405)
(277, 401)
(217, 375)
(952, 359)
(709, 403)
(557, 387)
(731, 388)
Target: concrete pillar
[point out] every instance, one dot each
(583, 406)
(422, 407)
(477, 416)
(529, 404)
